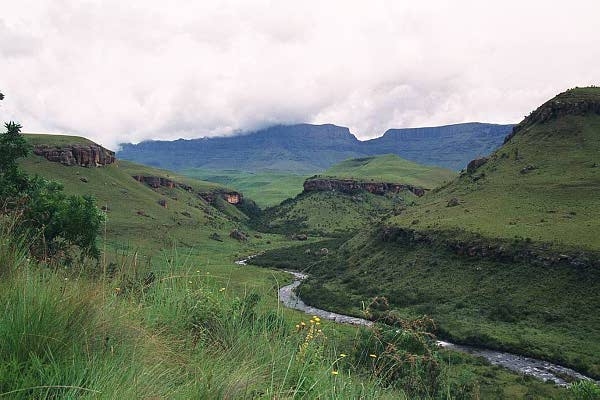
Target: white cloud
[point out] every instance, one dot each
(119, 71)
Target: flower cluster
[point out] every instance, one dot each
(313, 336)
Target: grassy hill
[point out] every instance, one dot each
(337, 213)
(135, 218)
(543, 184)
(390, 168)
(507, 255)
(266, 188)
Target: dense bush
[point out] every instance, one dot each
(57, 225)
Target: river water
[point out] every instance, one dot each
(539, 369)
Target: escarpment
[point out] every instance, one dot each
(92, 155)
(156, 182)
(351, 186)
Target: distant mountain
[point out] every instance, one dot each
(451, 146)
(306, 148)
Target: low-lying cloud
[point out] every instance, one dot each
(119, 71)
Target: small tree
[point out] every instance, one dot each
(56, 222)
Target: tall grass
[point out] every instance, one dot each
(180, 336)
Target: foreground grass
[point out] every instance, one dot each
(71, 337)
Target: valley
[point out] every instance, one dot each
(411, 254)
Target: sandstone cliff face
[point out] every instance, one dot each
(156, 182)
(79, 155)
(350, 186)
(234, 198)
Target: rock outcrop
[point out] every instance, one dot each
(474, 164)
(156, 182)
(92, 155)
(231, 197)
(351, 186)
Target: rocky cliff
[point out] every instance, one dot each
(231, 197)
(351, 186)
(156, 182)
(80, 155)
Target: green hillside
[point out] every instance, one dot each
(337, 212)
(391, 168)
(135, 217)
(328, 213)
(507, 255)
(266, 188)
(542, 185)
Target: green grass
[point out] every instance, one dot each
(188, 334)
(556, 203)
(509, 306)
(521, 304)
(391, 168)
(265, 188)
(198, 331)
(330, 213)
(55, 140)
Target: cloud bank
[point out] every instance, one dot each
(119, 71)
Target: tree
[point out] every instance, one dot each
(13, 146)
(56, 223)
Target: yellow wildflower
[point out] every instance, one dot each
(222, 289)
(343, 355)
(372, 355)
(334, 372)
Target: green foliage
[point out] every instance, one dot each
(62, 220)
(585, 390)
(13, 146)
(54, 221)
(504, 305)
(329, 213)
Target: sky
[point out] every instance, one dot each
(127, 71)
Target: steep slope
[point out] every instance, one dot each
(506, 256)
(543, 184)
(306, 148)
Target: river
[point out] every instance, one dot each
(539, 369)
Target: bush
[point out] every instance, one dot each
(56, 223)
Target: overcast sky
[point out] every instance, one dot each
(125, 71)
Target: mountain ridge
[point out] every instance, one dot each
(307, 148)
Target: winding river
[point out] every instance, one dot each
(539, 369)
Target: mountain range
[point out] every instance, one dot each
(306, 148)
